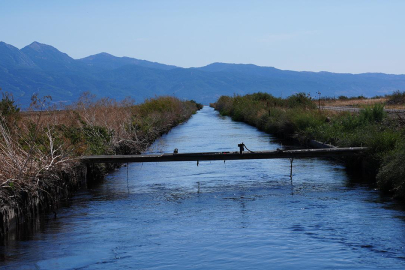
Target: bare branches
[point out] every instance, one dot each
(35, 148)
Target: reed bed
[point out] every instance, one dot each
(298, 116)
(37, 146)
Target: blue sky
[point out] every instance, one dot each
(339, 36)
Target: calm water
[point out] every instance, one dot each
(233, 215)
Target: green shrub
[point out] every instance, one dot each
(381, 141)
(348, 122)
(391, 176)
(74, 134)
(376, 113)
(7, 105)
(268, 99)
(198, 105)
(304, 120)
(9, 112)
(224, 105)
(97, 139)
(161, 104)
(300, 100)
(396, 98)
(343, 98)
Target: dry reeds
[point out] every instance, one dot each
(36, 145)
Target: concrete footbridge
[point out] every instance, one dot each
(237, 155)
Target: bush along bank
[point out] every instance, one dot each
(40, 149)
(297, 116)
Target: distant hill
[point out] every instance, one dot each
(11, 57)
(48, 58)
(109, 62)
(43, 69)
(328, 83)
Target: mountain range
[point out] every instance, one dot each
(43, 69)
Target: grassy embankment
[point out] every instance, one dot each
(40, 149)
(298, 116)
(394, 101)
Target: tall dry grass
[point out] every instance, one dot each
(35, 146)
(353, 102)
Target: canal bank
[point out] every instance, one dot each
(54, 171)
(297, 118)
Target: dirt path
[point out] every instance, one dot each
(354, 109)
(392, 113)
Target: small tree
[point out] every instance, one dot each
(9, 112)
(7, 105)
(396, 98)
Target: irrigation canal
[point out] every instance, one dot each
(241, 214)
